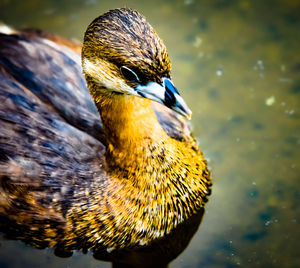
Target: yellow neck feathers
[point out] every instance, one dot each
(129, 122)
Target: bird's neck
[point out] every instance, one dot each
(131, 128)
(154, 182)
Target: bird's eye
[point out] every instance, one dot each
(129, 74)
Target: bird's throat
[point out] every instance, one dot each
(130, 126)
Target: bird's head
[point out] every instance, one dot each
(122, 54)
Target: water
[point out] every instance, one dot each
(237, 64)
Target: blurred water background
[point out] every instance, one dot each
(237, 64)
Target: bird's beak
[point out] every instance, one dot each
(166, 94)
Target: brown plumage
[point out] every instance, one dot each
(66, 179)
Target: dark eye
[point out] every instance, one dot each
(129, 74)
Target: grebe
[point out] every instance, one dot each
(70, 180)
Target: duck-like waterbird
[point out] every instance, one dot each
(68, 180)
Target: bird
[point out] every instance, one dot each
(95, 149)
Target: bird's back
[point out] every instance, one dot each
(51, 138)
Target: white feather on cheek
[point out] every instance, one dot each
(106, 76)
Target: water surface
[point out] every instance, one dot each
(237, 64)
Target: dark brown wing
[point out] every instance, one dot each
(51, 73)
(50, 132)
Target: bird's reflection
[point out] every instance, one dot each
(159, 253)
